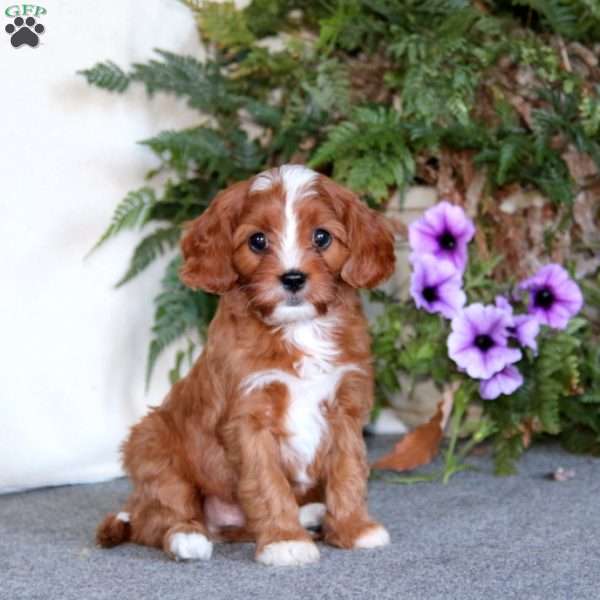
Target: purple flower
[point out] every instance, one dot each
(444, 231)
(553, 296)
(503, 382)
(503, 303)
(436, 286)
(478, 341)
(525, 327)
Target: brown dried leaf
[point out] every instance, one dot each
(367, 74)
(586, 212)
(584, 53)
(447, 183)
(418, 447)
(474, 192)
(508, 233)
(528, 428)
(523, 107)
(518, 220)
(581, 166)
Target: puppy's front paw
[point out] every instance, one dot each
(373, 538)
(190, 546)
(291, 553)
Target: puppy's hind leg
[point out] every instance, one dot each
(166, 505)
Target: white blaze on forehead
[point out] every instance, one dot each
(296, 181)
(263, 181)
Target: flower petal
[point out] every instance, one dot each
(503, 304)
(472, 361)
(451, 299)
(558, 316)
(504, 382)
(458, 222)
(570, 295)
(555, 275)
(498, 357)
(527, 328)
(422, 238)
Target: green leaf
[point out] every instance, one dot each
(576, 19)
(176, 372)
(107, 76)
(179, 311)
(369, 152)
(203, 84)
(224, 25)
(132, 212)
(506, 452)
(199, 145)
(149, 249)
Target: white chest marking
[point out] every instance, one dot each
(314, 383)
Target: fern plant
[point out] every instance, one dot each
(383, 95)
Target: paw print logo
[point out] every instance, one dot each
(24, 32)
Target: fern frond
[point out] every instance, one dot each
(338, 141)
(178, 310)
(369, 152)
(246, 156)
(107, 76)
(331, 90)
(193, 5)
(558, 14)
(553, 378)
(346, 27)
(589, 110)
(133, 211)
(506, 452)
(149, 249)
(224, 25)
(202, 84)
(199, 145)
(575, 19)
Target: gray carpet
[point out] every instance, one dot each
(478, 537)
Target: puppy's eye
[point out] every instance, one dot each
(258, 242)
(321, 238)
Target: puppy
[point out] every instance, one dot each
(264, 436)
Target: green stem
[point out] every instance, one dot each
(452, 465)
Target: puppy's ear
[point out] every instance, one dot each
(370, 238)
(207, 243)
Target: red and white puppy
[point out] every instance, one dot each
(268, 424)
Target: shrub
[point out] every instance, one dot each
(494, 103)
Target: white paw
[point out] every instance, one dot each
(373, 538)
(281, 554)
(190, 546)
(312, 515)
(123, 516)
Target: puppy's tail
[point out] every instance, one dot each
(115, 529)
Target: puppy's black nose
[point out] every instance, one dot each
(293, 280)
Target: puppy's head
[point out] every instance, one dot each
(288, 238)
